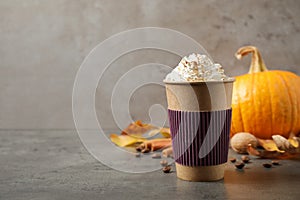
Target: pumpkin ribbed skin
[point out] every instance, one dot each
(265, 103)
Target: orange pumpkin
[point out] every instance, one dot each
(265, 102)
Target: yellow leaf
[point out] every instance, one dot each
(269, 145)
(165, 132)
(153, 132)
(125, 140)
(294, 142)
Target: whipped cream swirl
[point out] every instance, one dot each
(197, 68)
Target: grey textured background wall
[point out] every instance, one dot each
(43, 43)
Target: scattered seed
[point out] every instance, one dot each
(245, 159)
(267, 165)
(156, 155)
(167, 169)
(233, 160)
(164, 163)
(137, 155)
(239, 165)
(145, 150)
(275, 162)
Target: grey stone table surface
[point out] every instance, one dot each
(55, 165)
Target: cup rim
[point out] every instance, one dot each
(231, 80)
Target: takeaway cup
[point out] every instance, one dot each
(200, 117)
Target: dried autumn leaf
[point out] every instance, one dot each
(291, 147)
(154, 132)
(125, 140)
(269, 145)
(165, 132)
(137, 132)
(294, 142)
(264, 153)
(137, 128)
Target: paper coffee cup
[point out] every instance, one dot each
(200, 118)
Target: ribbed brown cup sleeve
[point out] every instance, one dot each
(188, 139)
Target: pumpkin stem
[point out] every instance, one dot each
(257, 63)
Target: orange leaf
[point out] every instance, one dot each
(137, 128)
